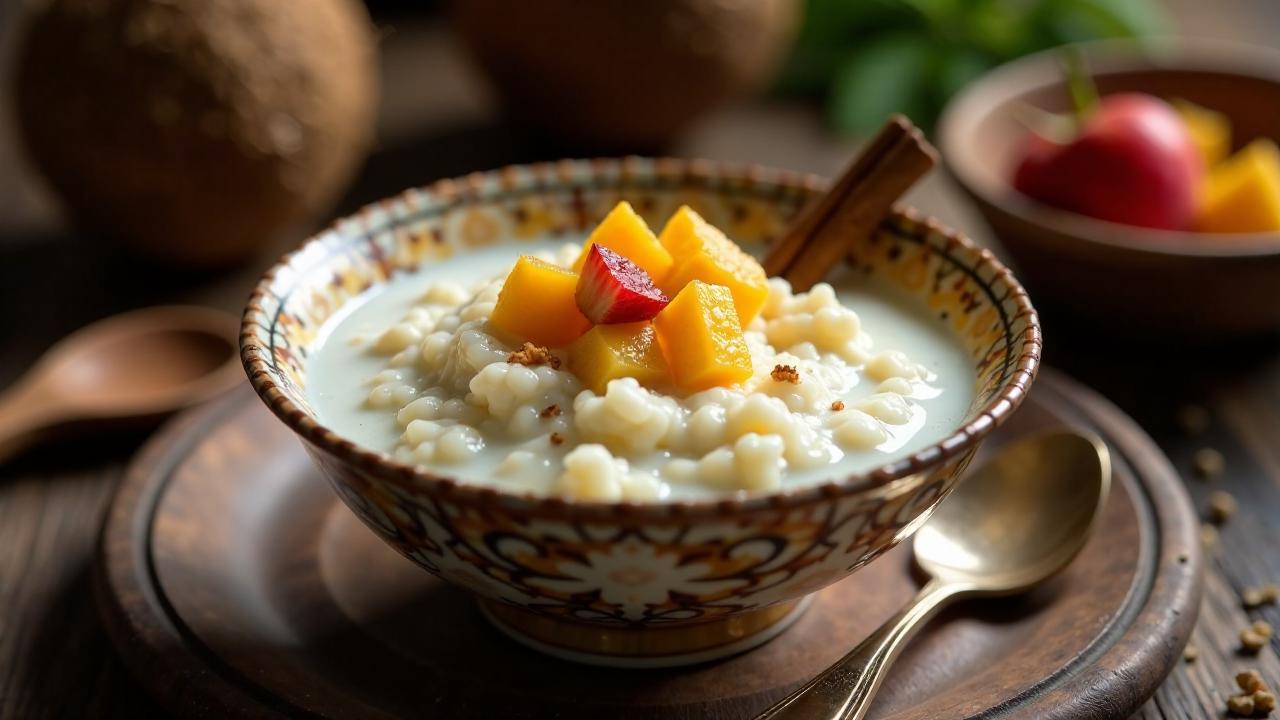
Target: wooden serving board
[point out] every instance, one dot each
(235, 584)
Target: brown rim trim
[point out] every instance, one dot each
(1027, 346)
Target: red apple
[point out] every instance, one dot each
(1132, 162)
(612, 289)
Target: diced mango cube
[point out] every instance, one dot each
(625, 232)
(608, 352)
(703, 253)
(1210, 130)
(1242, 194)
(701, 338)
(536, 304)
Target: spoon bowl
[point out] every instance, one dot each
(1020, 517)
(1013, 523)
(139, 365)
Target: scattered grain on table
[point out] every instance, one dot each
(1251, 642)
(1240, 705)
(1208, 536)
(1222, 505)
(1255, 637)
(1193, 419)
(1249, 681)
(1208, 463)
(1255, 700)
(1256, 597)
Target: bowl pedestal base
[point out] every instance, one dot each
(682, 644)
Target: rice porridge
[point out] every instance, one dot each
(842, 378)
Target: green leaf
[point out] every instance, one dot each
(890, 74)
(873, 57)
(956, 68)
(936, 12)
(998, 27)
(829, 29)
(1136, 18)
(834, 23)
(1067, 21)
(808, 70)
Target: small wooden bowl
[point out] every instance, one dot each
(1127, 278)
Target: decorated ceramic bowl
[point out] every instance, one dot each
(631, 583)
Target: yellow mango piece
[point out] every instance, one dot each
(701, 338)
(1242, 194)
(703, 253)
(625, 232)
(608, 352)
(1210, 130)
(536, 304)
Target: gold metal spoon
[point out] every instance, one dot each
(1013, 523)
(132, 367)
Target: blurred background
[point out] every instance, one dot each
(166, 151)
(160, 135)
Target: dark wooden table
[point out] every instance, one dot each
(55, 659)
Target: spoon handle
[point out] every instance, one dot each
(24, 411)
(844, 691)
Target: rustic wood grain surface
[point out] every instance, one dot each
(55, 660)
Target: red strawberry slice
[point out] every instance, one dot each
(612, 289)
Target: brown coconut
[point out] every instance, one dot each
(620, 74)
(197, 130)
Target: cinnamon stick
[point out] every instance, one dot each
(785, 252)
(888, 165)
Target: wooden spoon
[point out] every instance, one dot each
(132, 367)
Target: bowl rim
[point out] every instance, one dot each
(1025, 360)
(964, 113)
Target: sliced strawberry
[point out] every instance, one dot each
(612, 289)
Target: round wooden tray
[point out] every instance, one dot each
(235, 584)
